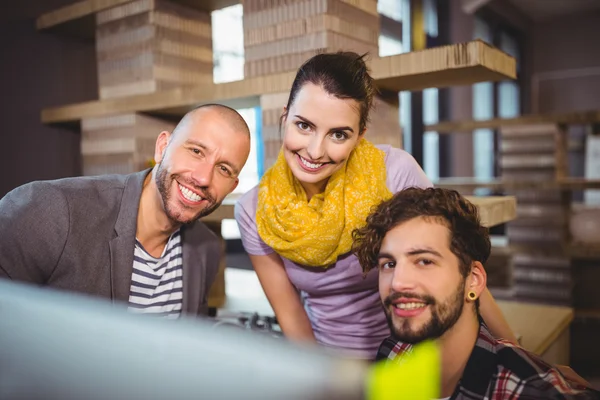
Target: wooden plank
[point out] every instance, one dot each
(452, 65)
(81, 14)
(467, 126)
(469, 184)
(436, 67)
(494, 210)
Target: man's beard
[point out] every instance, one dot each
(164, 182)
(443, 316)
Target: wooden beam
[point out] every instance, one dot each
(470, 184)
(467, 126)
(493, 210)
(79, 18)
(457, 64)
(176, 101)
(444, 66)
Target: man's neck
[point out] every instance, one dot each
(456, 347)
(153, 226)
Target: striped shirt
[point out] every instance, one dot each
(157, 283)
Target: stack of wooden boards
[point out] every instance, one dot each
(149, 45)
(119, 144)
(539, 235)
(548, 263)
(142, 46)
(279, 35)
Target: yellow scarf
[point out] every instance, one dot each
(316, 232)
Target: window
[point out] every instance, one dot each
(392, 8)
(431, 153)
(228, 58)
(394, 39)
(491, 100)
(483, 108)
(431, 146)
(228, 44)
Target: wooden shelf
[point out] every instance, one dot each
(78, 19)
(444, 66)
(494, 210)
(437, 67)
(467, 126)
(469, 184)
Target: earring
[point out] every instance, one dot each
(472, 295)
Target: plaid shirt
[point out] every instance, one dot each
(498, 370)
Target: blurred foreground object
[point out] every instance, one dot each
(57, 345)
(60, 345)
(415, 376)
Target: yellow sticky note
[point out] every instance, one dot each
(416, 376)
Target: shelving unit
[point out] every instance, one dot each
(534, 161)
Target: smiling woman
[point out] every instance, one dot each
(297, 224)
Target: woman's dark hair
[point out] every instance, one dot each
(343, 74)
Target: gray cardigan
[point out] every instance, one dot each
(78, 234)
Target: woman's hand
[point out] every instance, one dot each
(283, 296)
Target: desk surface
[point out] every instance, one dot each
(538, 325)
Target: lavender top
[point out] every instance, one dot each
(344, 309)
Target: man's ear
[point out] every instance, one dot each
(161, 146)
(476, 281)
(237, 181)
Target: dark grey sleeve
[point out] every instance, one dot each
(215, 250)
(34, 225)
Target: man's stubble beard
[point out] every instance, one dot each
(443, 317)
(164, 182)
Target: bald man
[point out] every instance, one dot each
(135, 238)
